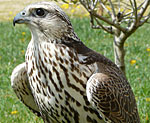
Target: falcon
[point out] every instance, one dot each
(62, 80)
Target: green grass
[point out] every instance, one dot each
(13, 44)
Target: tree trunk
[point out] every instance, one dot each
(119, 52)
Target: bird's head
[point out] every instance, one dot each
(45, 18)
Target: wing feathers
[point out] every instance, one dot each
(111, 96)
(21, 87)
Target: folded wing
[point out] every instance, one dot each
(113, 97)
(21, 87)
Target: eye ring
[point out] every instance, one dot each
(40, 12)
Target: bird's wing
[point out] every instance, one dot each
(113, 98)
(21, 87)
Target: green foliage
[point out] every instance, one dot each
(13, 44)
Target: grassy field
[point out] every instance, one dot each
(13, 44)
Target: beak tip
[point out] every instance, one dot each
(19, 19)
(16, 19)
(14, 23)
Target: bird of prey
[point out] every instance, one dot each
(62, 80)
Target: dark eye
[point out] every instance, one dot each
(40, 12)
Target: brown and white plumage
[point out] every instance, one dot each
(70, 82)
(21, 87)
(113, 97)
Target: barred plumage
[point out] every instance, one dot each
(68, 81)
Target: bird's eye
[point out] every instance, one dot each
(40, 12)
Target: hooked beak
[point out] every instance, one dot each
(20, 18)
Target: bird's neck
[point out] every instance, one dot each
(39, 36)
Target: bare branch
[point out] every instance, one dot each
(145, 20)
(100, 26)
(119, 7)
(89, 3)
(84, 4)
(106, 28)
(129, 18)
(113, 10)
(94, 4)
(137, 19)
(65, 1)
(135, 11)
(141, 5)
(126, 4)
(105, 1)
(143, 9)
(128, 13)
(131, 4)
(134, 8)
(105, 8)
(95, 27)
(92, 23)
(109, 22)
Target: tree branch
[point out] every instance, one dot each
(135, 11)
(101, 3)
(113, 10)
(108, 29)
(137, 21)
(128, 13)
(100, 26)
(94, 3)
(109, 22)
(145, 20)
(84, 4)
(143, 9)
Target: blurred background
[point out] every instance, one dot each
(9, 8)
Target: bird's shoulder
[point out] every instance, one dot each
(88, 55)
